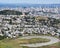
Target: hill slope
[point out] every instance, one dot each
(10, 12)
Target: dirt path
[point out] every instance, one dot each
(52, 41)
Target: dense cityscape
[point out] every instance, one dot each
(29, 25)
(31, 20)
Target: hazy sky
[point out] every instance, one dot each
(32, 1)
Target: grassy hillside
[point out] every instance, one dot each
(10, 12)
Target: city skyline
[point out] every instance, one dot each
(30, 1)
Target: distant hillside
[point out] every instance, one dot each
(10, 12)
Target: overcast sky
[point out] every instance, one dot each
(31, 1)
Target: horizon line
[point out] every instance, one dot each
(27, 3)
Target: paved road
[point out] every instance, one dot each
(52, 41)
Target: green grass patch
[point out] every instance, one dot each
(34, 40)
(15, 43)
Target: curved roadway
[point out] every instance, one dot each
(52, 41)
